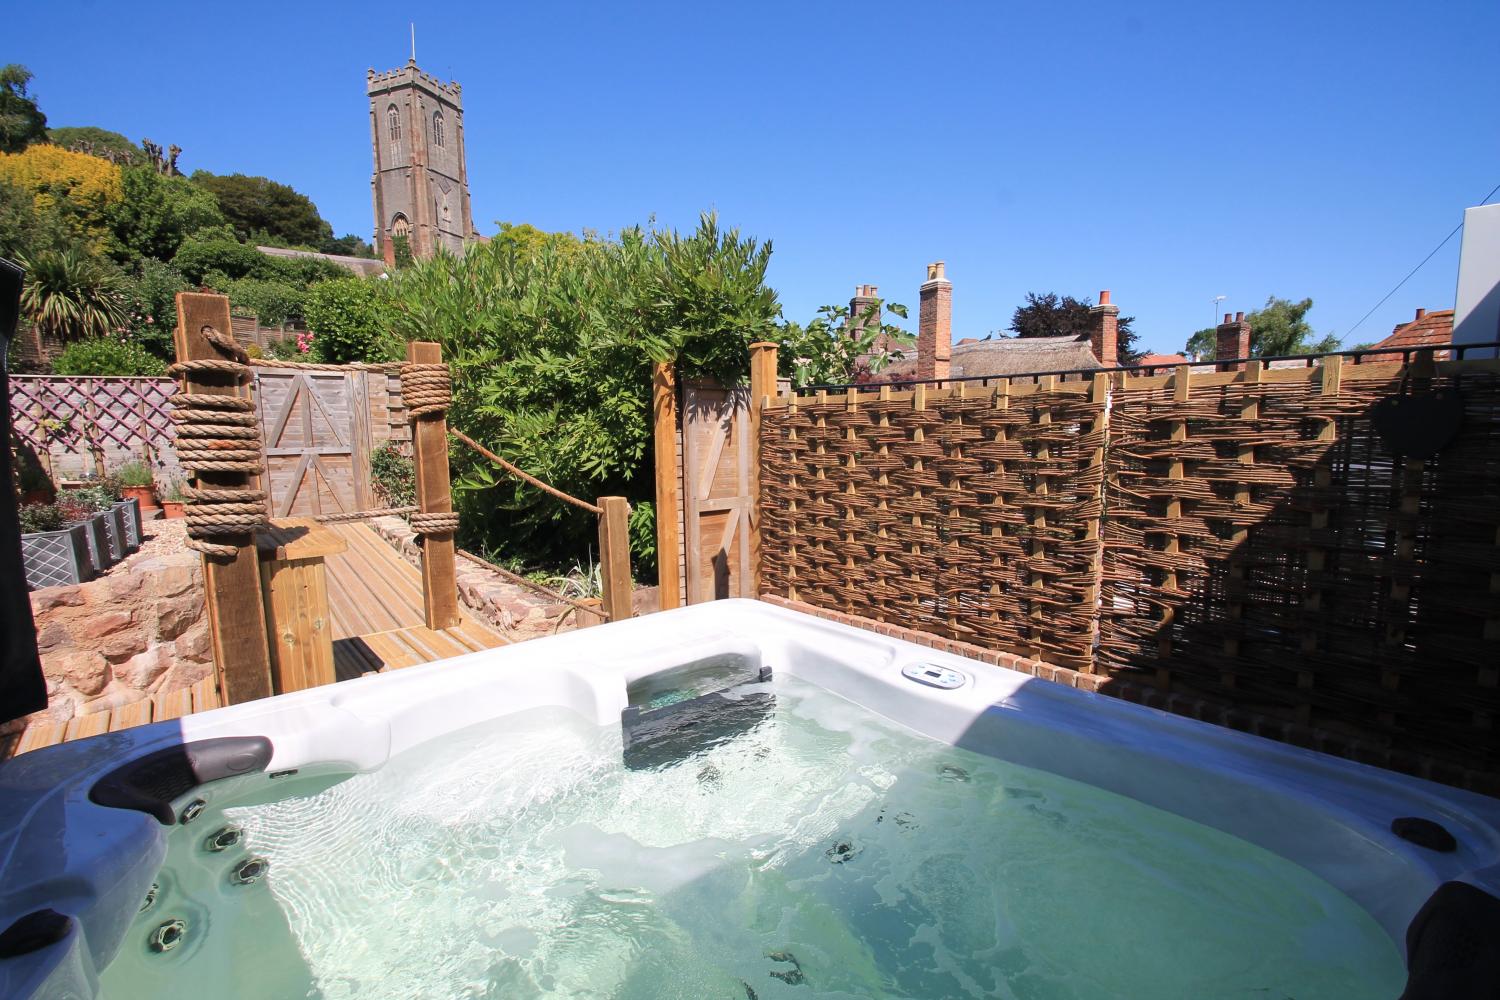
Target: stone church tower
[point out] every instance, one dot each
(421, 182)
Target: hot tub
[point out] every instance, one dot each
(727, 801)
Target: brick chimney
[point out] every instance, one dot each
(1104, 331)
(1420, 313)
(1233, 341)
(865, 296)
(935, 325)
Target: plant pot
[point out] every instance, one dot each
(130, 514)
(143, 495)
(56, 558)
(114, 530)
(171, 509)
(96, 548)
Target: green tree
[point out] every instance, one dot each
(1052, 315)
(97, 141)
(70, 296)
(552, 354)
(21, 121)
(155, 214)
(348, 245)
(349, 322)
(272, 302)
(151, 297)
(204, 253)
(822, 352)
(1278, 328)
(260, 207)
(26, 231)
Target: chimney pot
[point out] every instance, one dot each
(1104, 297)
(1239, 316)
(1420, 314)
(1227, 318)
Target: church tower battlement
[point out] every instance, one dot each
(420, 186)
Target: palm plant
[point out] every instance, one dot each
(71, 296)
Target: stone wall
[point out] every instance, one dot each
(122, 638)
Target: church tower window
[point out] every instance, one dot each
(393, 123)
(437, 129)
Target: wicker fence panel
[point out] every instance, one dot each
(972, 516)
(1265, 549)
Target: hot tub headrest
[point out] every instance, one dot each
(1451, 946)
(152, 782)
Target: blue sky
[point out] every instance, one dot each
(1168, 152)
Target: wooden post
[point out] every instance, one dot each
(1182, 380)
(1093, 529)
(1317, 558)
(1249, 375)
(429, 436)
(762, 388)
(614, 556)
(236, 614)
(668, 504)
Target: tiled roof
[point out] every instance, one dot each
(1162, 359)
(359, 265)
(1432, 328)
(1006, 356)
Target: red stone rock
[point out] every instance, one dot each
(84, 671)
(123, 646)
(55, 597)
(177, 615)
(141, 670)
(170, 581)
(108, 623)
(51, 636)
(194, 643)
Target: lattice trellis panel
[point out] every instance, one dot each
(1265, 549)
(102, 420)
(970, 515)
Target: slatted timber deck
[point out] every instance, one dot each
(375, 600)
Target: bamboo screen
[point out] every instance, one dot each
(972, 515)
(1265, 548)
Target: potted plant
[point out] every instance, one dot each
(54, 553)
(89, 509)
(137, 482)
(171, 505)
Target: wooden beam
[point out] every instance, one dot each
(236, 614)
(762, 390)
(429, 435)
(664, 418)
(614, 556)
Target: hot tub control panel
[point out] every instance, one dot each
(934, 676)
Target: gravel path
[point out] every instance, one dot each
(162, 537)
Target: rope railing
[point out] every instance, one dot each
(523, 475)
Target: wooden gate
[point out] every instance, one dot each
(317, 436)
(716, 492)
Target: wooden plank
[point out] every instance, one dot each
(430, 438)
(237, 621)
(205, 695)
(614, 557)
(39, 735)
(172, 705)
(137, 713)
(664, 430)
(1098, 393)
(81, 727)
(381, 578)
(299, 538)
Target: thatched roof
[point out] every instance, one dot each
(1007, 356)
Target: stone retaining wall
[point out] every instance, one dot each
(122, 638)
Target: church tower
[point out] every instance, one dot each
(420, 187)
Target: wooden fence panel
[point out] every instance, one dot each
(716, 492)
(317, 440)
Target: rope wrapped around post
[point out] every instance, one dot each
(218, 434)
(422, 524)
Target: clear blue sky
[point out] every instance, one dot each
(1168, 152)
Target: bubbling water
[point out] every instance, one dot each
(827, 853)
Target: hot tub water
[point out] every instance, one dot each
(827, 853)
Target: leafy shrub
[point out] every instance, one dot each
(551, 352)
(70, 295)
(89, 499)
(107, 356)
(394, 476)
(284, 350)
(151, 298)
(273, 302)
(254, 351)
(348, 318)
(135, 474)
(199, 255)
(643, 539)
(41, 517)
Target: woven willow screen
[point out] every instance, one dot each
(1265, 548)
(971, 516)
(1246, 538)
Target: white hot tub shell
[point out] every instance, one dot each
(61, 851)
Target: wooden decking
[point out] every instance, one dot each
(375, 600)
